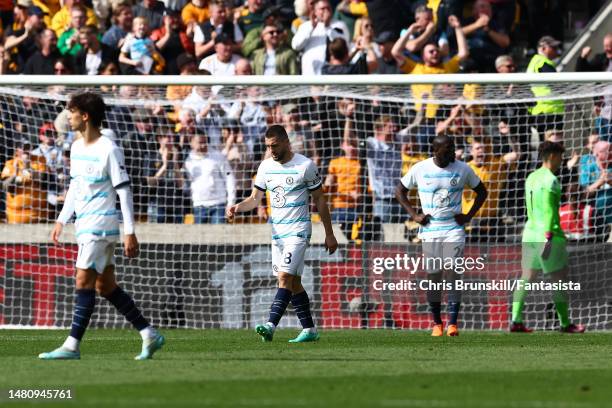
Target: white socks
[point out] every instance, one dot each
(309, 330)
(148, 333)
(71, 344)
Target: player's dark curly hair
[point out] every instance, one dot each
(547, 148)
(90, 103)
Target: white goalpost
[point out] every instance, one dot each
(363, 132)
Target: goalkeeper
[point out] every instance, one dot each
(544, 243)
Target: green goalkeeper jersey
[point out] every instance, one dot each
(542, 198)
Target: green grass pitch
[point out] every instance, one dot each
(348, 368)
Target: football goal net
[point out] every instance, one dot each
(192, 145)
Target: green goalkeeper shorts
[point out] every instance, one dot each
(532, 256)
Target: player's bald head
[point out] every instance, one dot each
(443, 148)
(441, 140)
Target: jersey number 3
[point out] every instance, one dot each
(278, 197)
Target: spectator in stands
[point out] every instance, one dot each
(42, 61)
(21, 36)
(137, 145)
(588, 158)
(103, 10)
(171, 41)
(54, 162)
(61, 66)
(186, 65)
(386, 63)
(211, 181)
(344, 188)
(237, 154)
(47, 148)
(364, 34)
(138, 53)
(164, 180)
(109, 68)
(351, 12)
(152, 10)
(122, 26)
(600, 62)
(493, 170)
(63, 178)
(252, 17)
(424, 31)
(21, 179)
(184, 130)
(432, 64)
(576, 216)
(94, 54)
(431, 55)
(68, 42)
(254, 40)
(253, 121)
(546, 114)
(303, 10)
(390, 15)
(62, 19)
(384, 164)
(312, 36)
(602, 110)
(201, 101)
(487, 35)
(274, 58)
(596, 180)
(223, 61)
(340, 61)
(504, 64)
(195, 12)
(300, 139)
(206, 32)
(243, 67)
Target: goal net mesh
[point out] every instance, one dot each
(194, 273)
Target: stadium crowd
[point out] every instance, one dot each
(190, 159)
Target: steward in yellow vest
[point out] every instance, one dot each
(551, 109)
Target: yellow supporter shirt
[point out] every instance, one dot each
(420, 92)
(346, 171)
(27, 202)
(358, 9)
(49, 8)
(61, 20)
(192, 13)
(493, 175)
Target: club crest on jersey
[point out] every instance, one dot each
(454, 181)
(90, 169)
(289, 180)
